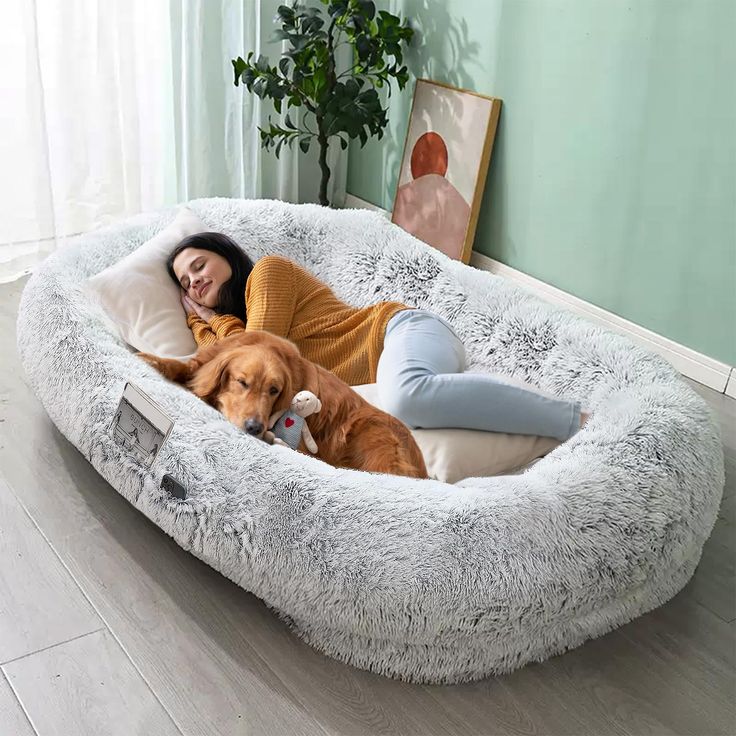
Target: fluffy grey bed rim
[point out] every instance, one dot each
(418, 580)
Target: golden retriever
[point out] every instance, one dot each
(251, 375)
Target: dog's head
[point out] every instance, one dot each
(250, 376)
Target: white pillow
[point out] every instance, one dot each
(454, 454)
(139, 296)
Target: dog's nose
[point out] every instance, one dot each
(253, 426)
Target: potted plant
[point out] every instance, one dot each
(344, 104)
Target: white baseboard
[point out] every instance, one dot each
(690, 363)
(356, 203)
(731, 385)
(712, 373)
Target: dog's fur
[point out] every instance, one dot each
(253, 374)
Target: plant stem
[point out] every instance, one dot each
(322, 139)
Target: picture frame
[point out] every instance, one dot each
(447, 151)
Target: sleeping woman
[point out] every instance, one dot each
(414, 356)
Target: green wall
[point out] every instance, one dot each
(613, 174)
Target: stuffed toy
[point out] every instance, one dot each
(287, 427)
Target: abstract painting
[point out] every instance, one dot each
(443, 170)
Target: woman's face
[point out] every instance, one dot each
(201, 273)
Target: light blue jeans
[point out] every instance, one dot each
(422, 383)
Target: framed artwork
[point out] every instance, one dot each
(443, 170)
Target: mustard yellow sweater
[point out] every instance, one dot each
(283, 298)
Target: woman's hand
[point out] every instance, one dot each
(191, 307)
(186, 302)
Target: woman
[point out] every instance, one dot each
(413, 355)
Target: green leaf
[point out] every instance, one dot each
(259, 87)
(308, 87)
(367, 8)
(262, 64)
(275, 89)
(304, 144)
(338, 7)
(284, 66)
(328, 123)
(277, 105)
(247, 78)
(343, 142)
(352, 88)
(239, 67)
(279, 35)
(363, 47)
(266, 139)
(320, 82)
(312, 26)
(288, 122)
(306, 12)
(299, 41)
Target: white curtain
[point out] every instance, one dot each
(114, 107)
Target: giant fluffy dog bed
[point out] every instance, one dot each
(419, 580)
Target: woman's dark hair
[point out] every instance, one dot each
(231, 298)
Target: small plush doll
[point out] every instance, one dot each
(287, 427)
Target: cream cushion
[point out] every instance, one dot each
(140, 298)
(455, 454)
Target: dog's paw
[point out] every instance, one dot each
(152, 360)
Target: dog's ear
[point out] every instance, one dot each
(309, 376)
(210, 377)
(287, 392)
(207, 353)
(302, 375)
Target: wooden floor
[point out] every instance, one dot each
(107, 626)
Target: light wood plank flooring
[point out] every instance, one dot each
(108, 627)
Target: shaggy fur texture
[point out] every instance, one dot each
(414, 579)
